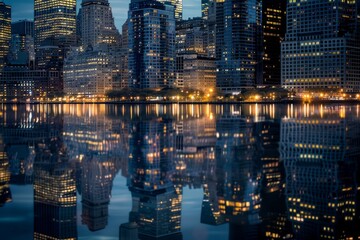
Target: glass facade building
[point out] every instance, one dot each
(274, 28)
(5, 32)
(55, 19)
(321, 47)
(238, 44)
(151, 44)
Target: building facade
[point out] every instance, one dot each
(151, 44)
(55, 19)
(5, 29)
(22, 50)
(87, 74)
(97, 23)
(321, 47)
(274, 28)
(238, 44)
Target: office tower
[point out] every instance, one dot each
(79, 27)
(22, 51)
(97, 23)
(205, 9)
(190, 36)
(151, 44)
(274, 28)
(321, 47)
(320, 155)
(124, 57)
(193, 68)
(178, 6)
(238, 44)
(198, 73)
(93, 70)
(23, 27)
(88, 74)
(5, 29)
(55, 19)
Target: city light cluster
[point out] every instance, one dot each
(234, 47)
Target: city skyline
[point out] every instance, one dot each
(23, 9)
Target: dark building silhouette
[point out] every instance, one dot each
(274, 28)
(320, 155)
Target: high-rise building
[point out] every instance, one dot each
(55, 19)
(274, 28)
(97, 23)
(321, 47)
(205, 8)
(92, 69)
(5, 29)
(88, 74)
(193, 68)
(23, 27)
(238, 44)
(22, 51)
(151, 44)
(178, 5)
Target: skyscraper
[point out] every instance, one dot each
(97, 23)
(151, 44)
(238, 44)
(178, 6)
(274, 28)
(55, 19)
(22, 50)
(5, 29)
(321, 47)
(92, 69)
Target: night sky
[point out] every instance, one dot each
(23, 9)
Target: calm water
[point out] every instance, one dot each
(179, 172)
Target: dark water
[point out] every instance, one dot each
(179, 172)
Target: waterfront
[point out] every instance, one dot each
(180, 171)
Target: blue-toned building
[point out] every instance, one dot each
(238, 44)
(151, 44)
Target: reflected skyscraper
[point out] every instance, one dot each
(95, 148)
(320, 155)
(239, 172)
(97, 177)
(5, 193)
(156, 202)
(54, 192)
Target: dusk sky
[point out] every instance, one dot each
(23, 9)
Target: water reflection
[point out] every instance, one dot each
(266, 171)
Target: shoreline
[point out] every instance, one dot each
(325, 101)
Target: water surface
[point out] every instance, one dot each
(256, 171)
